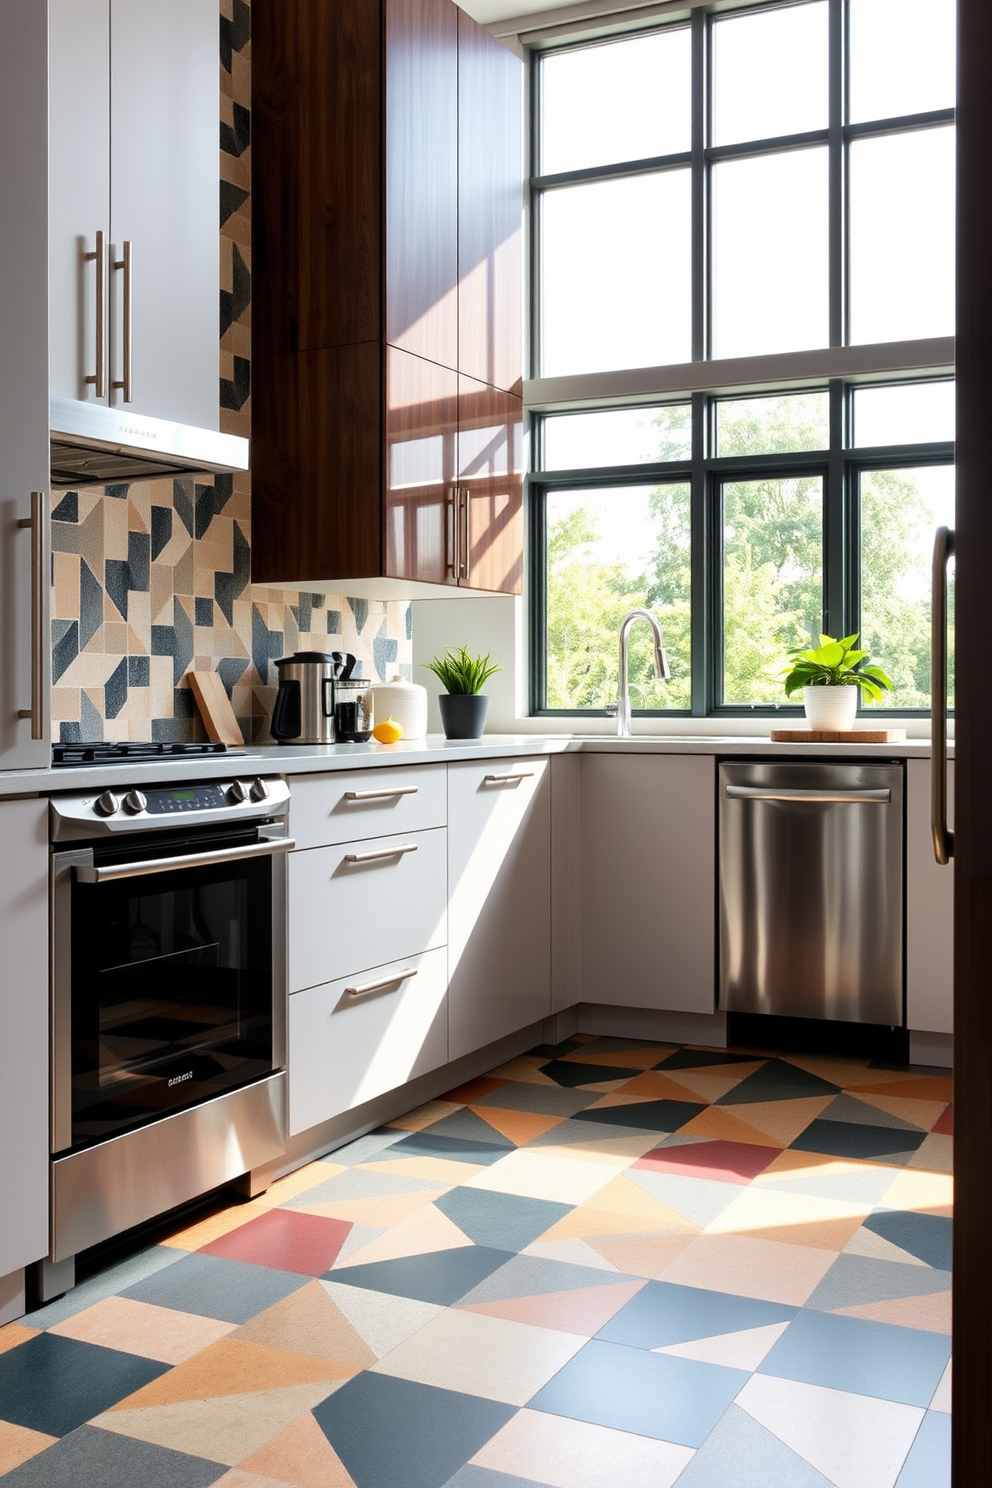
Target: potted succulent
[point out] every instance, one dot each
(830, 676)
(463, 704)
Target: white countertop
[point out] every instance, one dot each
(295, 759)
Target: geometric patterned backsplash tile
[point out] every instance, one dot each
(151, 578)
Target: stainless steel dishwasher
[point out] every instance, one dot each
(811, 890)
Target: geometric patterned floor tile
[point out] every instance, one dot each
(924, 1114)
(308, 1322)
(648, 1115)
(739, 1453)
(855, 1280)
(233, 1366)
(504, 1221)
(931, 1312)
(573, 1074)
(865, 1242)
(743, 1350)
(358, 1184)
(18, 1443)
(848, 1139)
(929, 1462)
(854, 1441)
(444, 1276)
(575, 1252)
(859, 1357)
(530, 1276)
(662, 1314)
(481, 1477)
(300, 1455)
(777, 1080)
(922, 1191)
(139, 1328)
(697, 1059)
(518, 1127)
(466, 1126)
(286, 1240)
(942, 1395)
(582, 1311)
(53, 1385)
(696, 1201)
(91, 1458)
(925, 1236)
(830, 1177)
(420, 1233)
(539, 1100)
(14, 1334)
(647, 1256)
(795, 1219)
(231, 1291)
(723, 1162)
(562, 1453)
(546, 1175)
(431, 1433)
(747, 1267)
(107, 1283)
(778, 1121)
(848, 1108)
(381, 1320)
(451, 1149)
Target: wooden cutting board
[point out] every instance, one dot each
(836, 736)
(215, 708)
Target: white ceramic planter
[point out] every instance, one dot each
(831, 707)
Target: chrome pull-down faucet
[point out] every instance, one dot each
(661, 668)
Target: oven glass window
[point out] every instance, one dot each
(171, 992)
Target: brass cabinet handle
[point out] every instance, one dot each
(452, 557)
(39, 576)
(389, 981)
(943, 837)
(382, 795)
(99, 257)
(381, 854)
(127, 264)
(466, 568)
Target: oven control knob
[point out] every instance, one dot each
(107, 804)
(259, 790)
(135, 801)
(237, 792)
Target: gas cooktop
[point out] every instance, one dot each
(109, 753)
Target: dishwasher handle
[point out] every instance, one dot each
(880, 796)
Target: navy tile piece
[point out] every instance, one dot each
(65, 649)
(115, 690)
(303, 610)
(850, 1139)
(210, 500)
(266, 645)
(504, 1221)
(235, 391)
(663, 1313)
(90, 604)
(384, 650)
(138, 559)
(182, 653)
(543, 1100)
(334, 623)
(926, 1236)
(161, 529)
(429, 1433)
(467, 1127)
(232, 1291)
(426, 1144)
(442, 1276)
(55, 1384)
(90, 719)
(91, 1458)
(70, 733)
(676, 1400)
(929, 1462)
(235, 138)
(235, 301)
(703, 1058)
(658, 1115)
(116, 578)
(777, 1080)
(360, 610)
(864, 1358)
(230, 669)
(739, 1453)
(117, 492)
(182, 501)
(138, 671)
(68, 508)
(203, 611)
(569, 1073)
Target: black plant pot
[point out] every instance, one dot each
(463, 714)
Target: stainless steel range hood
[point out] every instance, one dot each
(95, 445)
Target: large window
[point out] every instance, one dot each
(765, 193)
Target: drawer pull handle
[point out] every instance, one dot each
(509, 779)
(381, 795)
(381, 853)
(389, 981)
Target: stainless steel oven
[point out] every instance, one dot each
(168, 999)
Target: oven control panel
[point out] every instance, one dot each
(79, 815)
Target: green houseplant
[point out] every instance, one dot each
(463, 704)
(830, 676)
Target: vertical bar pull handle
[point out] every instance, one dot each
(36, 521)
(127, 264)
(451, 555)
(943, 837)
(466, 571)
(98, 378)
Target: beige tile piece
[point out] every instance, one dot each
(920, 1190)
(309, 1322)
(225, 1429)
(237, 1478)
(65, 704)
(526, 1069)
(18, 1444)
(796, 1219)
(89, 669)
(614, 1151)
(384, 1211)
(301, 1456)
(233, 1366)
(434, 1169)
(935, 1154)
(931, 1312)
(539, 1175)
(223, 1222)
(12, 1335)
(711, 1084)
(65, 590)
(482, 1355)
(620, 1207)
(781, 1120)
(648, 1256)
(114, 528)
(298, 1182)
(140, 1328)
(424, 1116)
(574, 1454)
(749, 1267)
(922, 1113)
(421, 1233)
(942, 1395)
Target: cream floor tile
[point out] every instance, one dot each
(739, 1264)
(141, 1328)
(796, 1219)
(482, 1355)
(942, 1395)
(854, 1440)
(743, 1350)
(537, 1175)
(922, 1191)
(426, 1230)
(573, 1454)
(380, 1320)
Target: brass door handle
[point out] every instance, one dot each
(98, 378)
(126, 263)
(39, 577)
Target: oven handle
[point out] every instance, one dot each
(88, 874)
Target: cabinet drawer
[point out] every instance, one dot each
(364, 903)
(351, 1040)
(367, 803)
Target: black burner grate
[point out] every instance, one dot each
(124, 753)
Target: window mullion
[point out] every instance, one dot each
(837, 615)
(700, 189)
(837, 75)
(702, 569)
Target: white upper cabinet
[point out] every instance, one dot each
(135, 259)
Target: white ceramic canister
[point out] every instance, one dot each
(404, 702)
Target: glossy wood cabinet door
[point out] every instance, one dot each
(422, 178)
(490, 485)
(490, 208)
(421, 452)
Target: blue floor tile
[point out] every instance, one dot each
(54, 1384)
(442, 1276)
(504, 1221)
(535, 1276)
(663, 1313)
(455, 1149)
(231, 1291)
(926, 1236)
(676, 1400)
(370, 1148)
(104, 1284)
(425, 1434)
(854, 1280)
(929, 1462)
(864, 1358)
(849, 1139)
(656, 1115)
(739, 1453)
(91, 1458)
(466, 1126)
(776, 1080)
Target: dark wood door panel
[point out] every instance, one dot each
(490, 208)
(421, 442)
(490, 469)
(422, 178)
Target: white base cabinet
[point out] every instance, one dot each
(499, 887)
(648, 845)
(929, 911)
(353, 1039)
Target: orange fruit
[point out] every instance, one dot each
(388, 732)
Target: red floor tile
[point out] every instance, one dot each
(945, 1123)
(285, 1240)
(725, 1162)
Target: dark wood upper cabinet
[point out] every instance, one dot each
(387, 265)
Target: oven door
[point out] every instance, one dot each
(168, 976)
